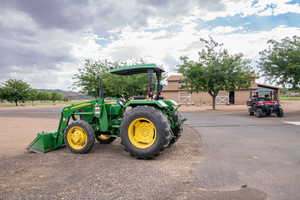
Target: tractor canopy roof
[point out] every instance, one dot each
(135, 69)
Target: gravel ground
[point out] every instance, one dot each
(218, 153)
(106, 173)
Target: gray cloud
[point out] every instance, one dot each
(64, 14)
(104, 14)
(39, 34)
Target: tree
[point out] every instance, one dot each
(43, 96)
(33, 95)
(280, 62)
(215, 71)
(87, 79)
(56, 96)
(1, 94)
(16, 91)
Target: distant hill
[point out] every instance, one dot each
(69, 94)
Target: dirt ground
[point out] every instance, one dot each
(17, 133)
(107, 172)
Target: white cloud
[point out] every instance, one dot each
(153, 47)
(246, 8)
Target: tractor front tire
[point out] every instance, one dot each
(79, 137)
(105, 139)
(145, 131)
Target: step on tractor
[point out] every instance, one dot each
(264, 103)
(146, 124)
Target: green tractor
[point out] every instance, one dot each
(146, 124)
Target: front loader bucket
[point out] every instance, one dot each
(45, 142)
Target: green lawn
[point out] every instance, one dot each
(290, 98)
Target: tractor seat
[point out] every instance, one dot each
(139, 97)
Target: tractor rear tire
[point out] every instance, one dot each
(79, 137)
(145, 132)
(280, 112)
(105, 139)
(258, 113)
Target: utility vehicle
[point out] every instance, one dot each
(264, 103)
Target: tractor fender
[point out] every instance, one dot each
(157, 103)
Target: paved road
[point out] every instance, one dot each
(239, 149)
(42, 112)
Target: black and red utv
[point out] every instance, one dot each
(264, 103)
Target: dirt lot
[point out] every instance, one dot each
(107, 172)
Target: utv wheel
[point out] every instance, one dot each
(79, 137)
(259, 113)
(105, 139)
(250, 110)
(145, 131)
(280, 112)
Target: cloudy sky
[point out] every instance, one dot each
(45, 42)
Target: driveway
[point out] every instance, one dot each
(240, 150)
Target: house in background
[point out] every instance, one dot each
(173, 91)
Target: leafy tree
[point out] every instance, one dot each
(1, 94)
(56, 96)
(87, 79)
(216, 70)
(116, 85)
(43, 96)
(280, 62)
(16, 91)
(33, 95)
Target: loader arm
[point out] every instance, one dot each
(48, 141)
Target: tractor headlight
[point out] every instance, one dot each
(97, 110)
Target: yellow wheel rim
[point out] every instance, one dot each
(142, 133)
(77, 137)
(104, 137)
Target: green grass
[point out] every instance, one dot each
(290, 98)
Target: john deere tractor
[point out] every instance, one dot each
(146, 124)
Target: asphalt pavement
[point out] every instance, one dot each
(241, 150)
